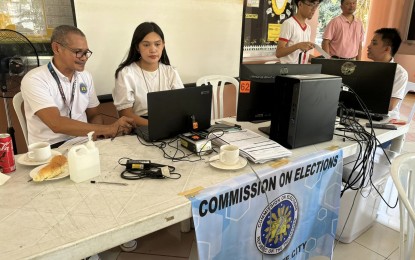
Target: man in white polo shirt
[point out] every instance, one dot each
(60, 99)
(384, 45)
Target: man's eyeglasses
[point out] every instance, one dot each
(78, 54)
(312, 5)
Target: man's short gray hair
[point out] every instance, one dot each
(59, 33)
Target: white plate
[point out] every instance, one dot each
(34, 172)
(218, 164)
(24, 160)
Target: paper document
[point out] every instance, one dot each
(4, 177)
(253, 146)
(322, 52)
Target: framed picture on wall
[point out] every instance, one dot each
(36, 19)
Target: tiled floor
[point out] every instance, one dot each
(377, 243)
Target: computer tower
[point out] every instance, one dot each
(305, 109)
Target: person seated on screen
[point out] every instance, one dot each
(294, 41)
(146, 69)
(383, 47)
(60, 99)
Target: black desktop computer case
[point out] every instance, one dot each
(305, 110)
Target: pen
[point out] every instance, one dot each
(107, 182)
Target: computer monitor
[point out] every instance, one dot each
(255, 98)
(372, 82)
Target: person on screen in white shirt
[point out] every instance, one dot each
(294, 40)
(146, 69)
(60, 99)
(383, 47)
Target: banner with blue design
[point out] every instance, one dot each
(281, 213)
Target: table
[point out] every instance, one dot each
(61, 219)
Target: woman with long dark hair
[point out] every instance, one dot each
(146, 69)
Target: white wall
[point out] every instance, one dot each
(202, 36)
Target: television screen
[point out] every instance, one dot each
(372, 82)
(255, 98)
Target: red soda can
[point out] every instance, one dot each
(7, 163)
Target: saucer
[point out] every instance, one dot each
(219, 165)
(24, 160)
(34, 172)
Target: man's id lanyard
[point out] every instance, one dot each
(55, 76)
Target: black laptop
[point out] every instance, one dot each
(178, 111)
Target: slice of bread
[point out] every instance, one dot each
(56, 166)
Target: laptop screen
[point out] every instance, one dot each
(174, 112)
(372, 82)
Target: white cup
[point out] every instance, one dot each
(39, 152)
(229, 154)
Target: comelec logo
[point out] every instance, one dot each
(276, 224)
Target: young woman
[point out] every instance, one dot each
(146, 69)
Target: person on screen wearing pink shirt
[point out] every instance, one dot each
(343, 36)
(294, 41)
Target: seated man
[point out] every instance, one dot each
(60, 99)
(382, 48)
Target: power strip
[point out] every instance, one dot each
(196, 143)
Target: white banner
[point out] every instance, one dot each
(287, 213)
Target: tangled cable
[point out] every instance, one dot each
(362, 171)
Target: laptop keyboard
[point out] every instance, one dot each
(375, 117)
(142, 131)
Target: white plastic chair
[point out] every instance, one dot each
(18, 104)
(402, 171)
(381, 179)
(385, 215)
(410, 87)
(218, 83)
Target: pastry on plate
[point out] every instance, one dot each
(56, 166)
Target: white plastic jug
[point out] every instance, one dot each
(83, 161)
